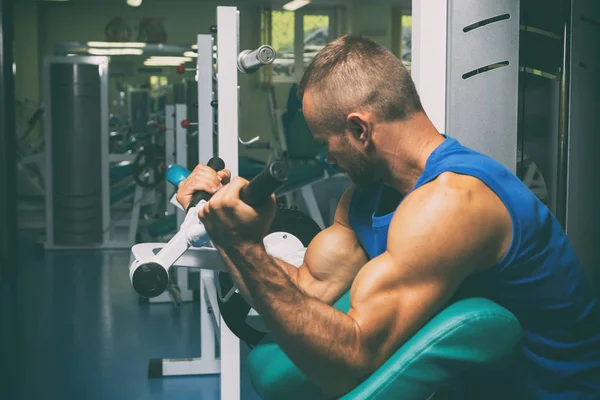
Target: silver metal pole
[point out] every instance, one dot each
(563, 118)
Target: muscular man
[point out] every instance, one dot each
(425, 217)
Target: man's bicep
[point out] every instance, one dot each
(436, 240)
(390, 305)
(332, 259)
(331, 262)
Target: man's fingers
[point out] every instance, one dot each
(231, 192)
(200, 181)
(205, 168)
(225, 176)
(203, 183)
(199, 185)
(200, 167)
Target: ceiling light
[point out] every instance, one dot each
(166, 61)
(295, 4)
(149, 63)
(134, 3)
(117, 44)
(116, 52)
(190, 54)
(170, 58)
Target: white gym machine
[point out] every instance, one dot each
(175, 153)
(151, 261)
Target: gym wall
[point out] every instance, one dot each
(42, 24)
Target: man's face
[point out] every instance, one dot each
(344, 149)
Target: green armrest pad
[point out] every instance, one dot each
(471, 333)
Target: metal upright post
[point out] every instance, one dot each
(563, 118)
(228, 102)
(180, 145)
(169, 153)
(9, 328)
(205, 111)
(430, 19)
(8, 184)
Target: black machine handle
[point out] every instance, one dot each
(215, 163)
(263, 185)
(258, 190)
(150, 279)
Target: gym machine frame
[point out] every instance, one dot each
(175, 153)
(179, 254)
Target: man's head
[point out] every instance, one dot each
(352, 88)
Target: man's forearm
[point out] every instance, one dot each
(323, 342)
(290, 270)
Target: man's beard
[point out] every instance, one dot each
(359, 169)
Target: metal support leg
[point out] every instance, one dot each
(169, 153)
(308, 194)
(179, 293)
(8, 183)
(228, 98)
(208, 363)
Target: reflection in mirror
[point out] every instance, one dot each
(532, 176)
(540, 60)
(143, 78)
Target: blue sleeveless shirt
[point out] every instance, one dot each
(540, 280)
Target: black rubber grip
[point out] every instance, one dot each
(150, 280)
(215, 163)
(265, 183)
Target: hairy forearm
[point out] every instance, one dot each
(323, 342)
(288, 269)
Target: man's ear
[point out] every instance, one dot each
(361, 128)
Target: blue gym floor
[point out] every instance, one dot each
(74, 329)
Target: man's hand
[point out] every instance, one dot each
(202, 178)
(231, 223)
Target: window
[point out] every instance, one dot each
(282, 31)
(406, 41)
(296, 36)
(316, 36)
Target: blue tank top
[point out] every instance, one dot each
(540, 280)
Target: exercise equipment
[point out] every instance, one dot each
(305, 157)
(483, 80)
(222, 103)
(473, 333)
(177, 145)
(291, 231)
(150, 274)
(227, 362)
(148, 167)
(30, 156)
(289, 235)
(89, 205)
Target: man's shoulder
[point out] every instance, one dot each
(456, 208)
(448, 186)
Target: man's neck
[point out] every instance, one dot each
(410, 144)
